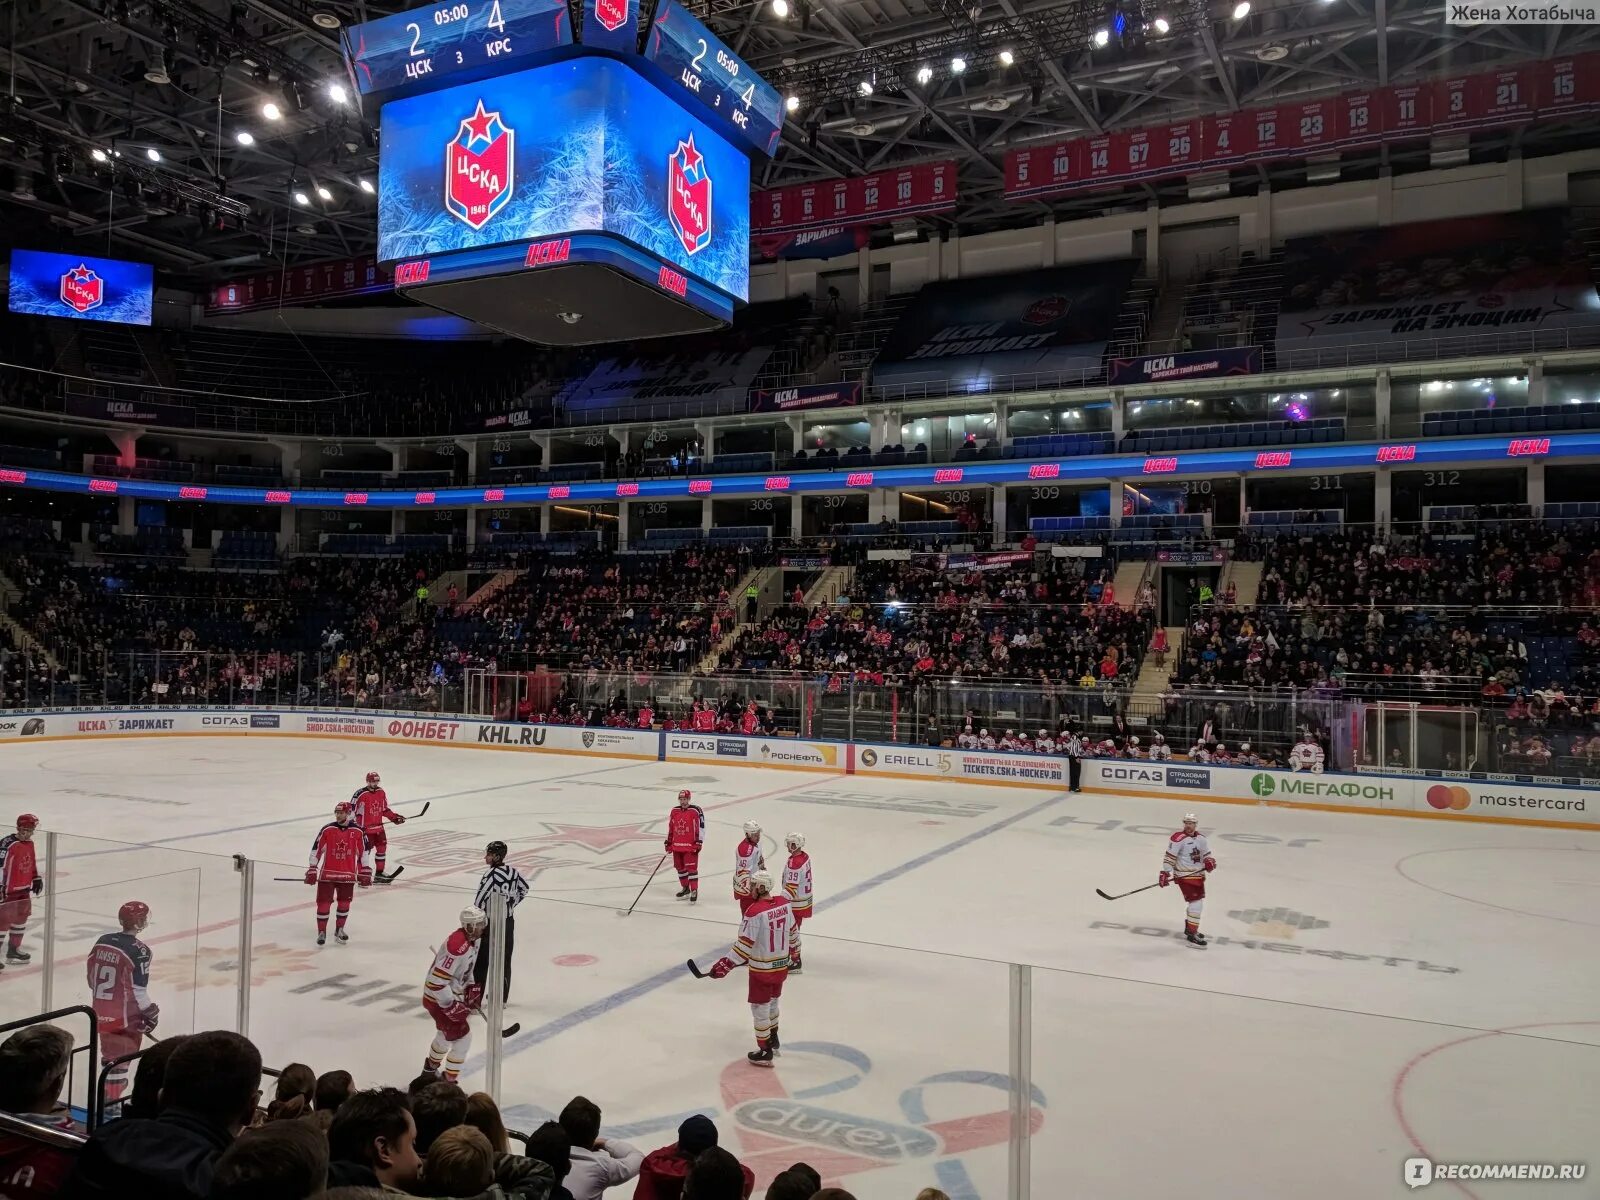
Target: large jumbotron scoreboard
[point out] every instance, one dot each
(552, 171)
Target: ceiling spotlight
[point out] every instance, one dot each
(957, 65)
(337, 94)
(924, 73)
(152, 154)
(1162, 25)
(780, 8)
(792, 103)
(155, 71)
(366, 186)
(1102, 38)
(98, 154)
(1007, 58)
(1241, 10)
(302, 199)
(271, 111)
(245, 138)
(323, 193)
(864, 87)
(325, 20)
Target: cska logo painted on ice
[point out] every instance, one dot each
(82, 289)
(478, 168)
(689, 197)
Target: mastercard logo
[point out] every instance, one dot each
(1444, 795)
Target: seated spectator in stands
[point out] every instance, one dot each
(437, 1107)
(664, 1171)
(597, 1163)
(483, 1114)
(333, 1089)
(799, 1182)
(715, 1175)
(549, 1145)
(148, 1076)
(372, 1142)
(212, 1086)
(33, 1069)
(296, 1087)
(284, 1160)
(461, 1163)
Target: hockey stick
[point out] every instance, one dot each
(1119, 896)
(647, 883)
(510, 1030)
(391, 876)
(694, 969)
(427, 804)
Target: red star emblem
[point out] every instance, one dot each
(692, 158)
(599, 838)
(478, 123)
(80, 273)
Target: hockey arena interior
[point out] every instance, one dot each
(799, 600)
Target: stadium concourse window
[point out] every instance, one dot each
(946, 432)
(1576, 388)
(840, 438)
(1059, 419)
(1411, 399)
(1355, 403)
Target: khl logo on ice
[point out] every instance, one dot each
(689, 197)
(82, 289)
(477, 168)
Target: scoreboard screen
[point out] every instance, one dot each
(585, 145)
(695, 60)
(81, 288)
(440, 43)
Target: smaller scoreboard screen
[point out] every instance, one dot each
(705, 71)
(582, 146)
(81, 288)
(441, 43)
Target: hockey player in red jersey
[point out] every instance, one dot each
(20, 882)
(747, 860)
(372, 809)
(338, 863)
(767, 941)
(1188, 861)
(686, 833)
(797, 887)
(450, 995)
(119, 978)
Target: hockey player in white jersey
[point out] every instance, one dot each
(1306, 755)
(1159, 750)
(797, 886)
(450, 995)
(747, 859)
(1187, 862)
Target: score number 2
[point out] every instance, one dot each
(451, 14)
(725, 60)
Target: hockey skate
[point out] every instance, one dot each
(682, 892)
(341, 936)
(760, 1058)
(772, 1043)
(794, 967)
(322, 938)
(1196, 938)
(694, 897)
(18, 956)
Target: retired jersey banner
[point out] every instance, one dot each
(1191, 364)
(811, 395)
(330, 279)
(1460, 278)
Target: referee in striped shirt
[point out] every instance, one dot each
(509, 882)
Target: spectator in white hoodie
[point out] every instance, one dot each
(597, 1163)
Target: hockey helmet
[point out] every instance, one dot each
(1244, 747)
(496, 848)
(752, 830)
(372, 777)
(1157, 737)
(685, 796)
(343, 809)
(27, 821)
(1134, 740)
(795, 841)
(473, 920)
(135, 914)
(760, 883)
(1190, 819)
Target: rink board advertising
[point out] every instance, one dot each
(1456, 797)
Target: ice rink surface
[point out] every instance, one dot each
(1377, 988)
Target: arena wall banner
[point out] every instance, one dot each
(1505, 799)
(128, 412)
(810, 395)
(1191, 364)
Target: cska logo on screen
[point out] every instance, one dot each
(689, 197)
(478, 168)
(82, 289)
